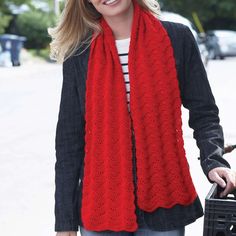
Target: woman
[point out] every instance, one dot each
(125, 75)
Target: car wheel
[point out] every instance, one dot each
(212, 54)
(222, 57)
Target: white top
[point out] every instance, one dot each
(122, 46)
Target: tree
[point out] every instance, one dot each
(33, 25)
(5, 12)
(220, 12)
(5, 19)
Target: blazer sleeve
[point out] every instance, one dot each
(197, 97)
(69, 145)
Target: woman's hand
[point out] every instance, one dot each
(69, 233)
(218, 175)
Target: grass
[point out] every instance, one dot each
(42, 53)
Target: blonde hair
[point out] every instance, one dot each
(76, 23)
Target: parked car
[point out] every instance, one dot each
(174, 17)
(221, 43)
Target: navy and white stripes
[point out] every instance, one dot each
(123, 50)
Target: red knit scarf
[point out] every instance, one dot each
(163, 177)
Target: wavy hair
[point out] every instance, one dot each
(77, 21)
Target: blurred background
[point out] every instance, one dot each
(30, 88)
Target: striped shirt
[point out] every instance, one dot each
(122, 46)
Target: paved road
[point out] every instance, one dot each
(223, 83)
(29, 101)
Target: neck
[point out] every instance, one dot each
(121, 24)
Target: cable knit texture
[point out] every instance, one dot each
(163, 177)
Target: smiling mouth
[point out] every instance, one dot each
(110, 2)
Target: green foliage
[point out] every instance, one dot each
(5, 14)
(4, 4)
(33, 25)
(208, 11)
(16, 2)
(42, 53)
(5, 19)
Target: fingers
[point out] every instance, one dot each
(231, 182)
(69, 233)
(74, 233)
(214, 176)
(225, 178)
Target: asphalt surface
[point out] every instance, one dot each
(29, 102)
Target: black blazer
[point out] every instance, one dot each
(196, 96)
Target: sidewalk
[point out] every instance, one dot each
(29, 101)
